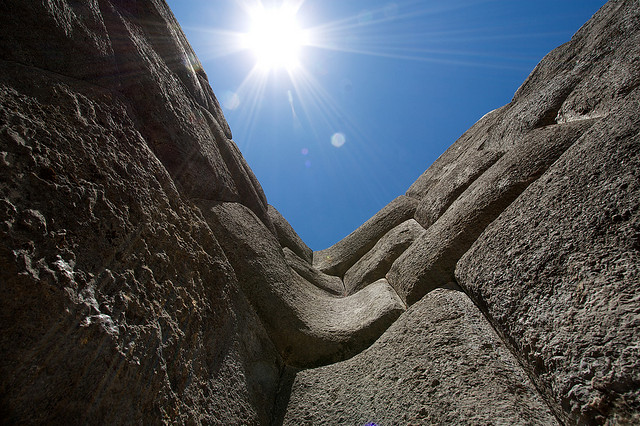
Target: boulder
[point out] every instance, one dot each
(119, 306)
(558, 274)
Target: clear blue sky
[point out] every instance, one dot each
(396, 81)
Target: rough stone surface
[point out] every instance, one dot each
(288, 237)
(583, 79)
(118, 303)
(309, 326)
(452, 173)
(431, 259)
(559, 274)
(146, 280)
(375, 264)
(439, 363)
(138, 50)
(338, 258)
(329, 283)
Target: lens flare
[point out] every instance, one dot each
(338, 139)
(230, 100)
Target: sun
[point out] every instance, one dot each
(275, 38)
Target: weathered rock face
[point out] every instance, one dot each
(561, 284)
(119, 305)
(430, 261)
(533, 212)
(376, 262)
(309, 325)
(556, 269)
(145, 279)
(337, 259)
(138, 50)
(440, 363)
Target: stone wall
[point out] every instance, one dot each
(145, 279)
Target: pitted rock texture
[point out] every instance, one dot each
(145, 279)
(440, 363)
(118, 303)
(309, 326)
(562, 283)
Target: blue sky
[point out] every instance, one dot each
(382, 88)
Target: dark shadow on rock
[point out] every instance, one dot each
(287, 378)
